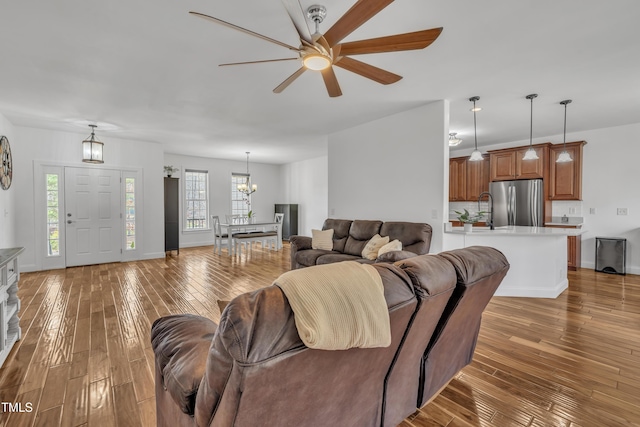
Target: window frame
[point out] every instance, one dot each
(186, 200)
(240, 203)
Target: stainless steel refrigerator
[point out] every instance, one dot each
(517, 202)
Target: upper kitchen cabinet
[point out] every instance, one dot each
(457, 179)
(566, 178)
(507, 164)
(467, 179)
(477, 178)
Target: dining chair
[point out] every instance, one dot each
(218, 235)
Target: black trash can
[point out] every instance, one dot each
(611, 255)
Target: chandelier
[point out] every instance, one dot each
(247, 188)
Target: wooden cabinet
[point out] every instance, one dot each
(532, 169)
(467, 179)
(566, 178)
(502, 165)
(574, 248)
(458, 179)
(10, 331)
(507, 164)
(171, 214)
(477, 178)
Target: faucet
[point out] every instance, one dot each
(491, 227)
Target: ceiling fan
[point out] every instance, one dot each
(320, 52)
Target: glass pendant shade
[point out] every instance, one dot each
(476, 155)
(564, 157)
(92, 148)
(531, 153)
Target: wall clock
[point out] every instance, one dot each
(6, 164)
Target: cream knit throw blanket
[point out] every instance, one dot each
(338, 306)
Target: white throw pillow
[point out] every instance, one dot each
(394, 245)
(372, 247)
(322, 239)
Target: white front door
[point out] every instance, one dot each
(92, 216)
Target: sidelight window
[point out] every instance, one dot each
(53, 214)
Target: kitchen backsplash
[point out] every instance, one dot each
(570, 208)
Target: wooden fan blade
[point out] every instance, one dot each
(282, 86)
(359, 13)
(369, 71)
(331, 82)
(398, 42)
(295, 12)
(244, 30)
(258, 62)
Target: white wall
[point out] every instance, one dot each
(393, 168)
(610, 180)
(7, 197)
(65, 148)
(306, 183)
(266, 177)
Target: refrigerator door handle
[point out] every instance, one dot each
(534, 206)
(511, 215)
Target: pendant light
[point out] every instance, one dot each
(92, 148)
(531, 153)
(476, 155)
(247, 188)
(564, 157)
(453, 140)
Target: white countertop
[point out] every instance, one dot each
(518, 230)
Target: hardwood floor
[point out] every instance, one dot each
(85, 358)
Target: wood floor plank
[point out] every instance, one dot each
(85, 357)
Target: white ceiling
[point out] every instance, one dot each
(151, 69)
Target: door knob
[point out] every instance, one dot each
(69, 221)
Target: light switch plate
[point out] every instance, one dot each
(592, 211)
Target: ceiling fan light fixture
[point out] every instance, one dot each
(316, 62)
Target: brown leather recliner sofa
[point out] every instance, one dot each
(253, 369)
(350, 238)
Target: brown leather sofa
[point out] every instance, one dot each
(253, 369)
(350, 238)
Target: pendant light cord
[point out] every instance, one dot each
(531, 97)
(475, 131)
(564, 137)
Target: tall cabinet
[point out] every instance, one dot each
(290, 220)
(171, 214)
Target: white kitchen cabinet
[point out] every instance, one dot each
(10, 331)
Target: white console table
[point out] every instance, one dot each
(10, 331)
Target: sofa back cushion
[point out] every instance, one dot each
(415, 236)
(340, 232)
(258, 361)
(360, 232)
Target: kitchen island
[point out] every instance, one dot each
(538, 256)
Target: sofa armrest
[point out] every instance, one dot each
(394, 256)
(181, 344)
(298, 243)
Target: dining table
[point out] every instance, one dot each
(230, 229)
